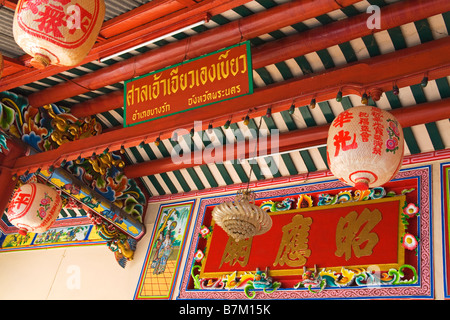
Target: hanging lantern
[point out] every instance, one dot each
(34, 207)
(58, 32)
(241, 218)
(365, 147)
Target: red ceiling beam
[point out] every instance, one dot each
(423, 113)
(203, 43)
(272, 52)
(11, 4)
(136, 17)
(391, 16)
(126, 32)
(16, 63)
(406, 67)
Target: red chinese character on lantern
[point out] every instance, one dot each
(342, 118)
(364, 122)
(55, 16)
(365, 135)
(21, 199)
(341, 139)
(378, 129)
(79, 18)
(52, 19)
(377, 144)
(33, 5)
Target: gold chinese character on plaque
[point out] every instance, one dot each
(353, 232)
(293, 249)
(236, 252)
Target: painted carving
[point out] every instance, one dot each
(273, 206)
(261, 281)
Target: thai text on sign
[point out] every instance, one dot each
(349, 235)
(65, 23)
(209, 79)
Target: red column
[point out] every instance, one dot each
(7, 160)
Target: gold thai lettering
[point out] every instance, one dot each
(130, 96)
(192, 73)
(203, 75)
(212, 75)
(144, 93)
(234, 67)
(145, 114)
(224, 73)
(183, 81)
(167, 83)
(212, 96)
(243, 57)
(155, 90)
(174, 80)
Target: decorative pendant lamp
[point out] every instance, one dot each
(34, 207)
(58, 32)
(365, 147)
(241, 218)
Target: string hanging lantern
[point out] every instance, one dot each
(34, 207)
(242, 218)
(57, 32)
(365, 147)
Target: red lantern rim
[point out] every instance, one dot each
(355, 179)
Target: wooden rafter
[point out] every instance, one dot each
(134, 27)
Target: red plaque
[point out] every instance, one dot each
(357, 234)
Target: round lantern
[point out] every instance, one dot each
(34, 207)
(58, 32)
(365, 147)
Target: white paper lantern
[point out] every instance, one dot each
(34, 207)
(58, 32)
(365, 147)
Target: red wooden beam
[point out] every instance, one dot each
(11, 4)
(7, 161)
(203, 43)
(292, 140)
(406, 67)
(272, 52)
(16, 63)
(126, 32)
(136, 17)
(391, 16)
